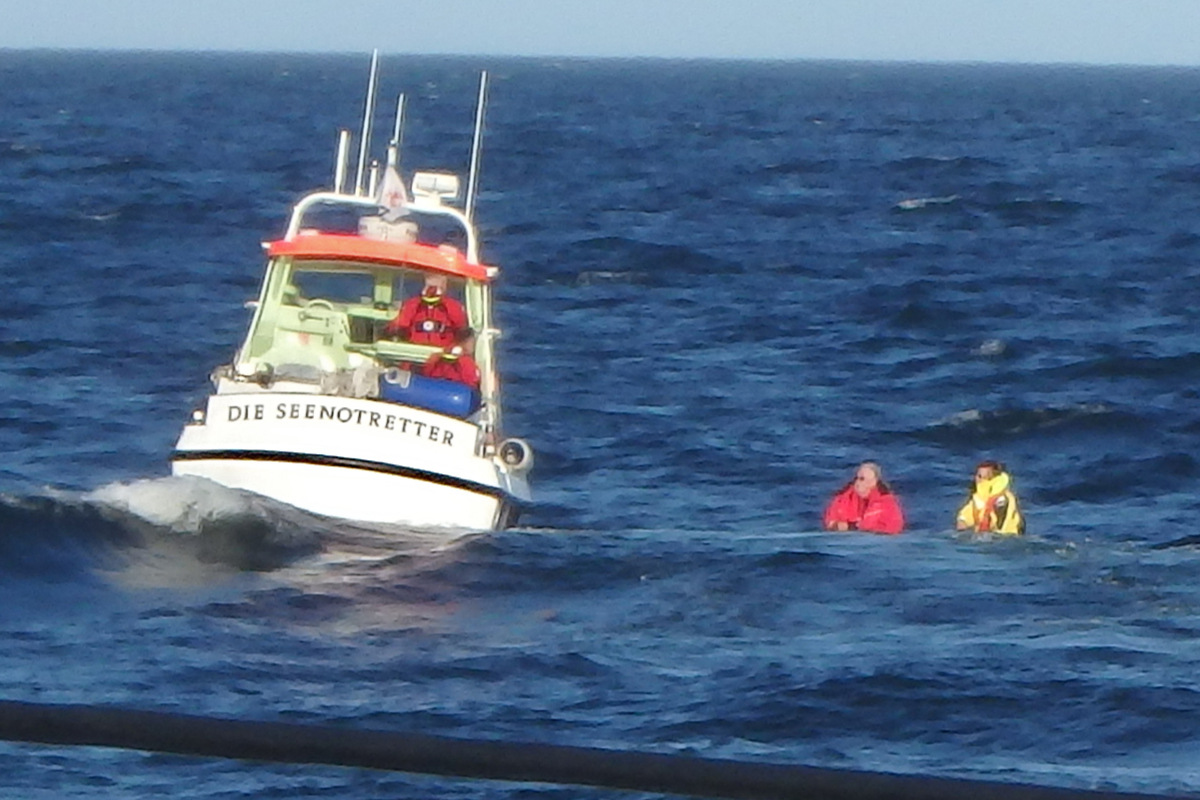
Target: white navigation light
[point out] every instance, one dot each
(437, 186)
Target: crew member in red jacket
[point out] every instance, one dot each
(432, 317)
(455, 363)
(865, 504)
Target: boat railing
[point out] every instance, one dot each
(421, 204)
(523, 762)
(394, 352)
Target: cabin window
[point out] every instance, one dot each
(413, 283)
(337, 287)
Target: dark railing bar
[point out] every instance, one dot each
(181, 734)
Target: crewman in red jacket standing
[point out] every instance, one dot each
(431, 317)
(865, 504)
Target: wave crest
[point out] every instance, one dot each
(975, 425)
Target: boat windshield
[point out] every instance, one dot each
(331, 313)
(357, 288)
(342, 286)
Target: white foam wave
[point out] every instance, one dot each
(916, 203)
(180, 503)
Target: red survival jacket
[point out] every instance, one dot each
(462, 369)
(421, 322)
(878, 512)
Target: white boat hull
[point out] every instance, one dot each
(351, 458)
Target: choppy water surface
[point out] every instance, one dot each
(724, 284)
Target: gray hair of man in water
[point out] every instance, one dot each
(874, 468)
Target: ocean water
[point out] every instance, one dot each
(723, 285)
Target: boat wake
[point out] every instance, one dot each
(177, 531)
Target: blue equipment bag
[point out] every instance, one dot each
(451, 398)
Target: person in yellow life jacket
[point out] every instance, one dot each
(992, 506)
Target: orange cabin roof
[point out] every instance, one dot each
(347, 247)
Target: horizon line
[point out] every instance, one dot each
(217, 51)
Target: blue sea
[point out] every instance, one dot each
(724, 284)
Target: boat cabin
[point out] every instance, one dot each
(328, 296)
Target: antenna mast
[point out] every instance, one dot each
(393, 153)
(476, 146)
(364, 144)
(339, 169)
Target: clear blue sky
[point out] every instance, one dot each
(1086, 31)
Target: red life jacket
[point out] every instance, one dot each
(461, 368)
(878, 512)
(421, 322)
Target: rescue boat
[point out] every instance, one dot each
(327, 405)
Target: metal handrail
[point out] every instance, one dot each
(162, 732)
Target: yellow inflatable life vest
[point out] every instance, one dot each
(992, 508)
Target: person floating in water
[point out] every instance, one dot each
(865, 504)
(992, 506)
